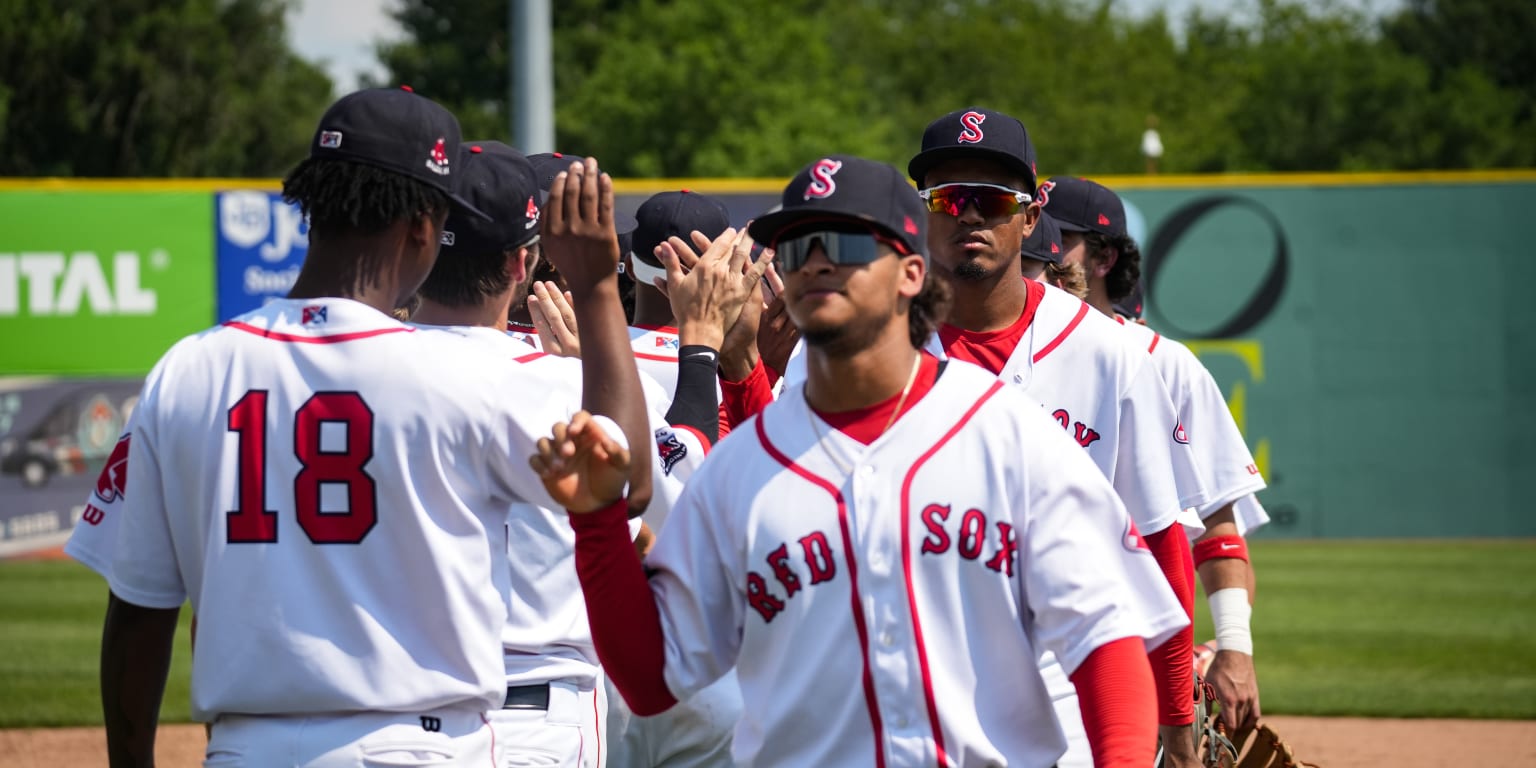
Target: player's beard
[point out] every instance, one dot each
(849, 338)
(971, 271)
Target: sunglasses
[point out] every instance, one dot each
(844, 242)
(991, 200)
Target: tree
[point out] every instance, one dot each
(145, 88)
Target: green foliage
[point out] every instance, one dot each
(754, 87)
(141, 88)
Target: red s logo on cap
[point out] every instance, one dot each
(972, 122)
(1044, 192)
(822, 186)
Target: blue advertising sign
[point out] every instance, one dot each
(261, 243)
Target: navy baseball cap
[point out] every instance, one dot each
(548, 165)
(1043, 244)
(1131, 305)
(980, 133)
(675, 214)
(398, 131)
(847, 187)
(1080, 205)
(500, 181)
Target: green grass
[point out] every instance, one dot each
(1396, 629)
(50, 645)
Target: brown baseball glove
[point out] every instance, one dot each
(1257, 747)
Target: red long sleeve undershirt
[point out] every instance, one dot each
(741, 400)
(1171, 669)
(1115, 694)
(626, 626)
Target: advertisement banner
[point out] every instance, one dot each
(101, 282)
(261, 244)
(55, 436)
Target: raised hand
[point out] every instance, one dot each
(582, 467)
(554, 319)
(707, 300)
(776, 335)
(578, 235)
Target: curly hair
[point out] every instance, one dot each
(929, 308)
(1068, 277)
(341, 195)
(1122, 278)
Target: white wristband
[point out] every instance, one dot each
(1231, 614)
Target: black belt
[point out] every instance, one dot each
(527, 697)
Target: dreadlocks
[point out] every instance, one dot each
(344, 198)
(342, 195)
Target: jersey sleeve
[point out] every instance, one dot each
(144, 568)
(94, 539)
(1249, 515)
(694, 580)
(1153, 461)
(1073, 518)
(1228, 470)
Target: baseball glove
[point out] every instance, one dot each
(1257, 747)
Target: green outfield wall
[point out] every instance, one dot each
(1371, 332)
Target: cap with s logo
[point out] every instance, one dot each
(548, 165)
(846, 187)
(1080, 205)
(976, 132)
(673, 214)
(398, 131)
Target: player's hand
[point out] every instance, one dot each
(1237, 689)
(776, 333)
(707, 300)
(578, 236)
(582, 467)
(554, 319)
(1178, 743)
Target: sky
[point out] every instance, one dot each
(342, 34)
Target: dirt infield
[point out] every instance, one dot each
(1329, 742)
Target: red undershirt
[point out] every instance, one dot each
(866, 424)
(991, 349)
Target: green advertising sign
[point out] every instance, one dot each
(1374, 343)
(101, 282)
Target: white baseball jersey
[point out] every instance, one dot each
(966, 539)
(1103, 391)
(1227, 469)
(329, 487)
(546, 636)
(1249, 514)
(656, 353)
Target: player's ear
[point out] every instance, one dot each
(517, 264)
(913, 270)
(425, 230)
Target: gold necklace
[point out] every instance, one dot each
(821, 439)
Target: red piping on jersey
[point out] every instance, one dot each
(906, 566)
(337, 339)
(487, 723)
(1082, 312)
(1156, 337)
(853, 581)
(597, 731)
(530, 357)
(703, 441)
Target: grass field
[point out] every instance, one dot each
(1400, 629)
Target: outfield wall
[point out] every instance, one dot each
(1367, 329)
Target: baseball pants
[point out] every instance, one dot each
(696, 733)
(566, 734)
(443, 737)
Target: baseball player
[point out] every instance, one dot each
(314, 476)
(546, 279)
(1043, 259)
(952, 516)
(554, 707)
(1092, 219)
(976, 174)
